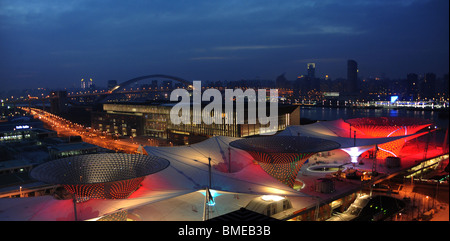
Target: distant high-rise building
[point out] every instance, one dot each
(86, 84)
(59, 102)
(281, 82)
(313, 83)
(298, 86)
(429, 85)
(352, 76)
(412, 81)
(311, 70)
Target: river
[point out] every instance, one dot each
(329, 113)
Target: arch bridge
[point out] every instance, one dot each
(119, 87)
(134, 80)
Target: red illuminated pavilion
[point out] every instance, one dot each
(379, 127)
(100, 176)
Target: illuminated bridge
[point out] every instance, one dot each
(131, 81)
(118, 88)
(94, 96)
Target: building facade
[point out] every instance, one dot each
(153, 120)
(59, 102)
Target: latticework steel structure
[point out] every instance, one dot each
(389, 127)
(100, 176)
(283, 156)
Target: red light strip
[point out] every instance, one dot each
(113, 190)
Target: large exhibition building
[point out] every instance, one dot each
(152, 119)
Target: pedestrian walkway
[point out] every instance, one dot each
(442, 213)
(420, 207)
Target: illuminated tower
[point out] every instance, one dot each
(86, 84)
(314, 83)
(90, 83)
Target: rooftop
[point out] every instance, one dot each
(285, 144)
(175, 193)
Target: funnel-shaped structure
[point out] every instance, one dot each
(100, 176)
(388, 127)
(283, 156)
(355, 152)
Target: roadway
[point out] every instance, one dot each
(67, 128)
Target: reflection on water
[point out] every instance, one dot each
(327, 113)
(393, 113)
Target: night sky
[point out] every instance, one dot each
(56, 43)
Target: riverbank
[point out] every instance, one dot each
(327, 113)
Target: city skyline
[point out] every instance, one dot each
(54, 45)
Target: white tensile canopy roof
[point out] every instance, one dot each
(338, 131)
(188, 172)
(189, 169)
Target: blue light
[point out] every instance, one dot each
(214, 194)
(22, 127)
(394, 98)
